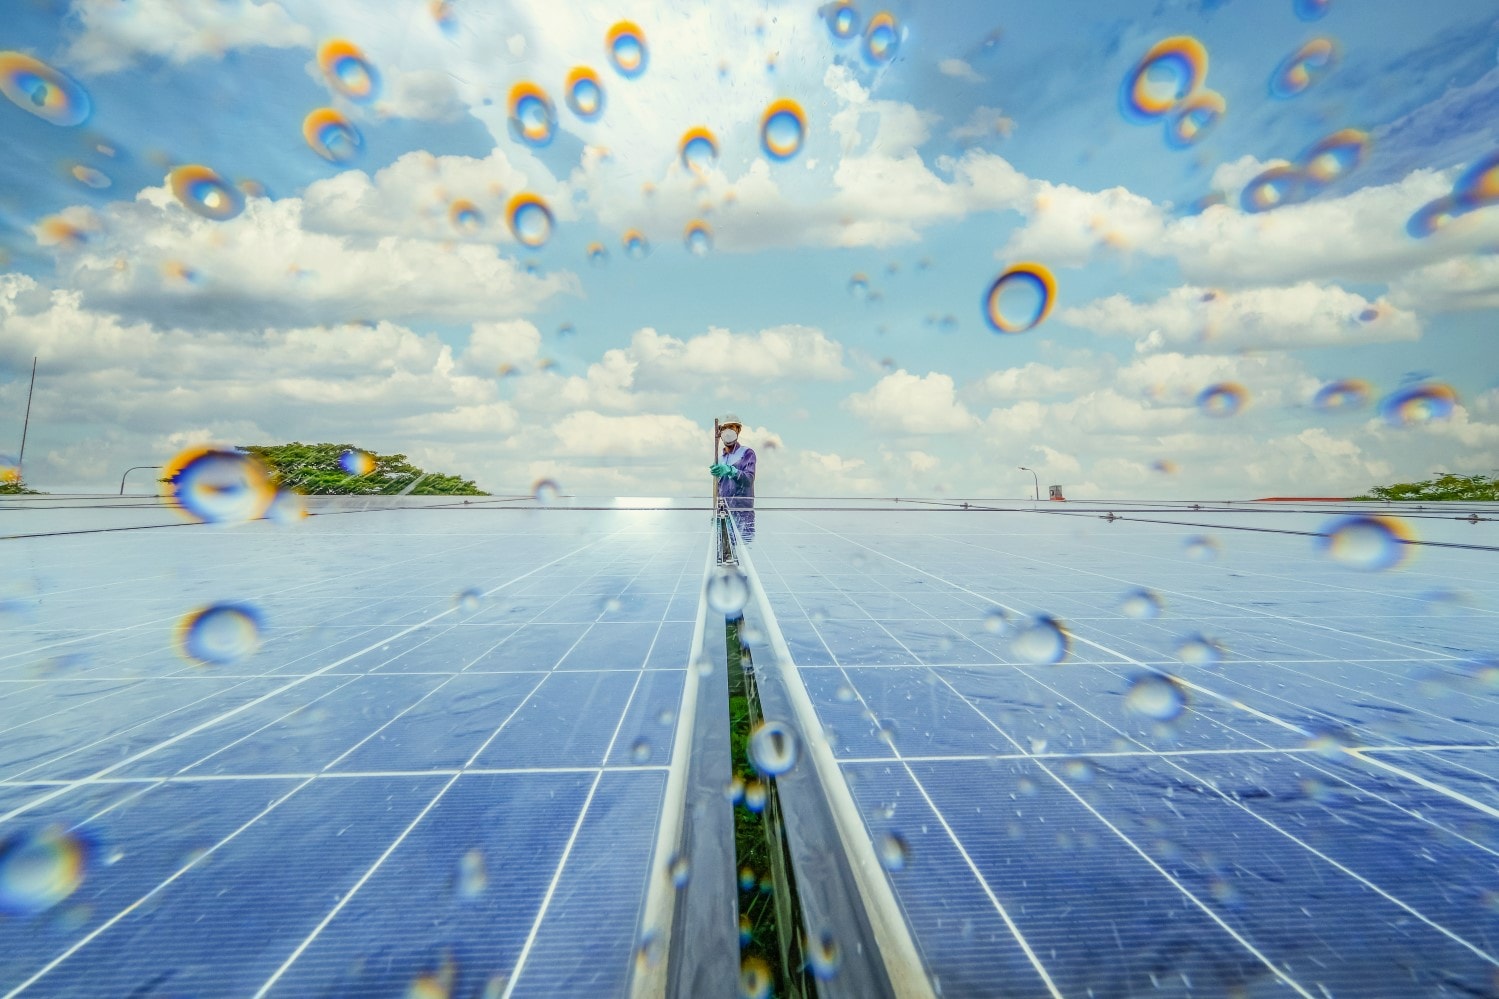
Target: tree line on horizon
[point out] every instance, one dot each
(322, 470)
(1446, 487)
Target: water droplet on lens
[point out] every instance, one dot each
(473, 877)
(1223, 399)
(356, 462)
(220, 634)
(679, 870)
(1331, 743)
(1225, 892)
(217, 486)
(612, 606)
(1079, 771)
(1043, 641)
(39, 869)
(1200, 548)
(288, 508)
(844, 693)
(996, 621)
(754, 796)
(773, 748)
(468, 600)
(823, 955)
(1199, 651)
(733, 790)
(650, 951)
(893, 851)
(1159, 698)
(1315, 790)
(783, 128)
(1416, 405)
(640, 750)
(754, 979)
(728, 590)
(1142, 605)
(1370, 544)
(1020, 299)
(626, 47)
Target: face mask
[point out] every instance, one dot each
(730, 436)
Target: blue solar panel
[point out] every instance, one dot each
(470, 745)
(1314, 817)
(442, 768)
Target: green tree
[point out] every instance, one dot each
(1445, 487)
(16, 487)
(317, 470)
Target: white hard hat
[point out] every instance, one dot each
(729, 418)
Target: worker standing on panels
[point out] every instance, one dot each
(735, 472)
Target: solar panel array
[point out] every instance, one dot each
(1316, 816)
(400, 789)
(1184, 752)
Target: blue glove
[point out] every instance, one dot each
(720, 470)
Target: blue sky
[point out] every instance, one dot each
(345, 306)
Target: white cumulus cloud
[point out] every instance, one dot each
(157, 261)
(912, 404)
(959, 70)
(111, 35)
(1212, 320)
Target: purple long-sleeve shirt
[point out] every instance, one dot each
(739, 489)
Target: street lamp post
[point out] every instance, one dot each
(1037, 478)
(133, 468)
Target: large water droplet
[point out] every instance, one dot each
(996, 621)
(1159, 698)
(1367, 543)
(220, 634)
(1043, 641)
(1142, 605)
(754, 979)
(1200, 548)
(823, 955)
(728, 590)
(773, 748)
(1197, 650)
(1079, 770)
(893, 851)
(40, 869)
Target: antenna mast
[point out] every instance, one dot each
(26, 424)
